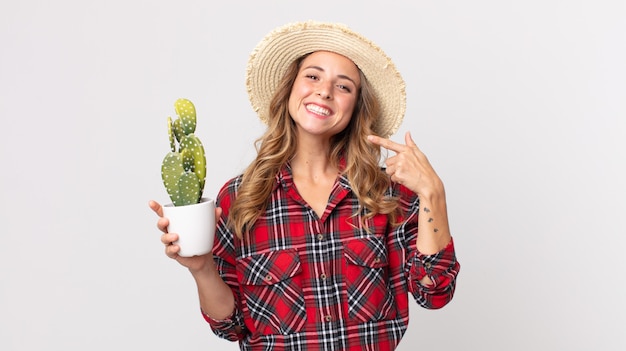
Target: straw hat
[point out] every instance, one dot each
(272, 56)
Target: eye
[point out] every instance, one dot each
(344, 88)
(311, 76)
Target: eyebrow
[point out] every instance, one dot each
(343, 76)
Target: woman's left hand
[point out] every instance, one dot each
(409, 166)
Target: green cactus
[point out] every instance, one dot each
(184, 168)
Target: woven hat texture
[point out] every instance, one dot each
(270, 59)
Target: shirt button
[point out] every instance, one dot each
(377, 259)
(328, 318)
(427, 265)
(268, 277)
(323, 276)
(320, 237)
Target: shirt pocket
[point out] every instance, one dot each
(368, 292)
(272, 292)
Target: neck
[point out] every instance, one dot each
(311, 158)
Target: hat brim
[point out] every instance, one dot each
(273, 55)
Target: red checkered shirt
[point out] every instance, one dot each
(308, 283)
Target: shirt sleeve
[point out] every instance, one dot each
(442, 267)
(230, 328)
(233, 327)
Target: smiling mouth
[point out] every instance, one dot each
(318, 110)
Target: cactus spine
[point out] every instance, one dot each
(184, 168)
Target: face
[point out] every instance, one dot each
(324, 94)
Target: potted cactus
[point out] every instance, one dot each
(183, 172)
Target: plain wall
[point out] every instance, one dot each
(519, 105)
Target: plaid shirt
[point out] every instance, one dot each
(309, 283)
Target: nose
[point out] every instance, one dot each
(324, 92)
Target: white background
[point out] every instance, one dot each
(520, 106)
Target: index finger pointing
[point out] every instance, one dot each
(386, 143)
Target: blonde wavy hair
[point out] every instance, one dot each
(278, 145)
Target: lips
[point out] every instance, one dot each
(318, 110)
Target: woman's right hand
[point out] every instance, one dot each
(194, 263)
(216, 297)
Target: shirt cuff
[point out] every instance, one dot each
(434, 265)
(228, 321)
(231, 328)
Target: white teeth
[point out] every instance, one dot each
(318, 110)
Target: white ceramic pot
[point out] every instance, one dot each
(195, 226)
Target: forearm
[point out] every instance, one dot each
(216, 297)
(433, 228)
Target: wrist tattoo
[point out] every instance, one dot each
(430, 219)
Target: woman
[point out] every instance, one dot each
(316, 246)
